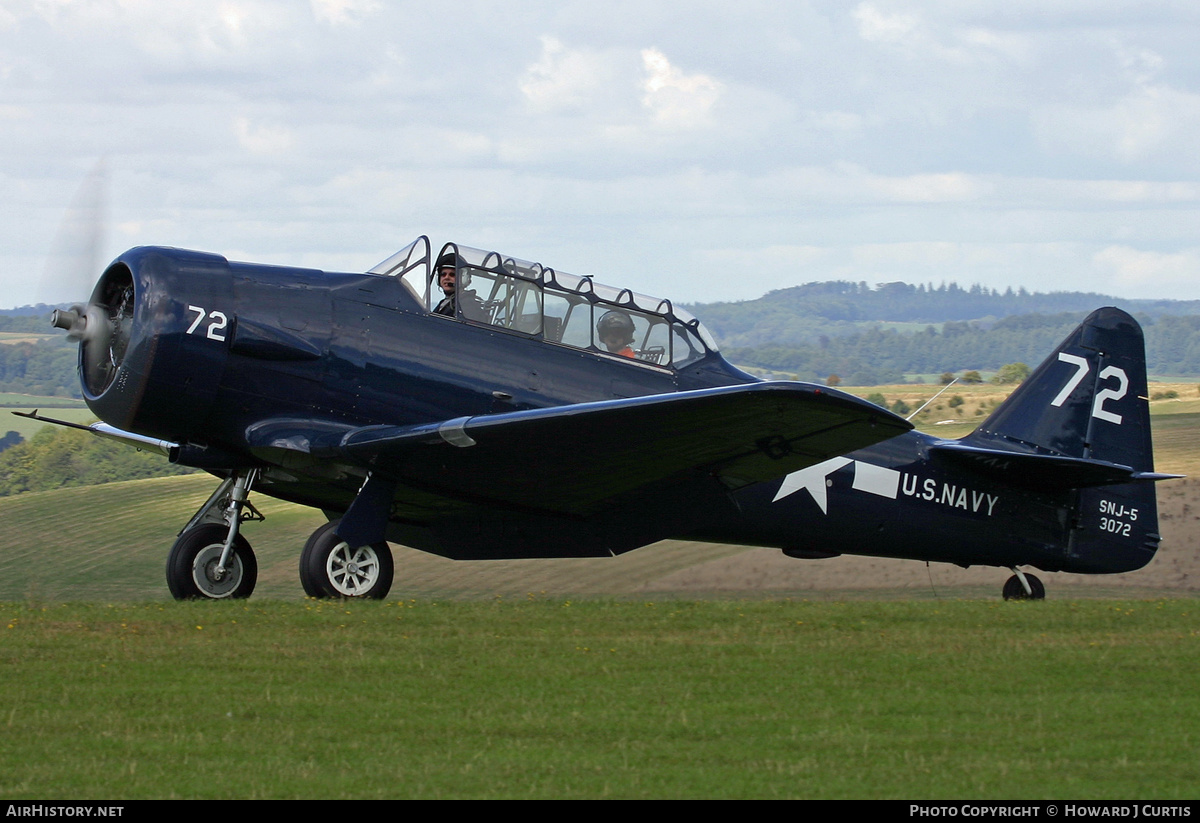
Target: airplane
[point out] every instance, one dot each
(479, 406)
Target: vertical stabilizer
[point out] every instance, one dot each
(1088, 400)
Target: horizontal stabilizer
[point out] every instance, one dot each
(1044, 472)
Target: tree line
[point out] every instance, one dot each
(56, 458)
(806, 313)
(878, 355)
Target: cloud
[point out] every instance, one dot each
(259, 138)
(1134, 271)
(1150, 124)
(623, 108)
(343, 12)
(851, 183)
(1003, 142)
(566, 79)
(677, 100)
(879, 27)
(940, 37)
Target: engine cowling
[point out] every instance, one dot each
(160, 360)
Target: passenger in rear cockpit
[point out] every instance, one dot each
(615, 332)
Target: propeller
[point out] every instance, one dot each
(71, 266)
(101, 326)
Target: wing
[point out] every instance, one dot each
(575, 460)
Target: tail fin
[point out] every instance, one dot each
(1080, 425)
(1086, 400)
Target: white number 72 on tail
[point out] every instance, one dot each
(1103, 396)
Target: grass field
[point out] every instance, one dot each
(25, 336)
(566, 699)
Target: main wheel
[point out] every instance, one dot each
(192, 565)
(1013, 590)
(331, 567)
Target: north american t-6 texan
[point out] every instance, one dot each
(479, 406)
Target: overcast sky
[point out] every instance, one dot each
(699, 151)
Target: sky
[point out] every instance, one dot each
(699, 151)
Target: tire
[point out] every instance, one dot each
(329, 567)
(1013, 590)
(194, 557)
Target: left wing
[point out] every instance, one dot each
(574, 460)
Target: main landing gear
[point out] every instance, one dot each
(1022, 586)
(331, 567)
(212, 560)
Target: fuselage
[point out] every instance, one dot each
(216, 351)
(892, 500)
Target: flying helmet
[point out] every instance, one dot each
(453, 259)
(616, 325)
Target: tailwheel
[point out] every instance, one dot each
(1014, 589)
(331, 567)
(193, 566)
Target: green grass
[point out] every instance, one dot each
(571, 699)
(26, 336)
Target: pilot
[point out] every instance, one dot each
(470, 305)
(615, 331)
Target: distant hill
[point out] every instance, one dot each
(41, 311)
(804, 313)
(874, 335)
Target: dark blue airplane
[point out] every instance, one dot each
(478, 406)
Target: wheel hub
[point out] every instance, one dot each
(352, 571)
(210, 580)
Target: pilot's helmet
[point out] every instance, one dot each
(452, 259)
(616, 325)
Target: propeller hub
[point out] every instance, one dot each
(101, 328)
(64, 318)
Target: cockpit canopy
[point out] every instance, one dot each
(537, 301)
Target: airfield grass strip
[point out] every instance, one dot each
(573, 699)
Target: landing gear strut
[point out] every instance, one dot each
(1022, 586)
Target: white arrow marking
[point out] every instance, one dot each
(813, 479)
